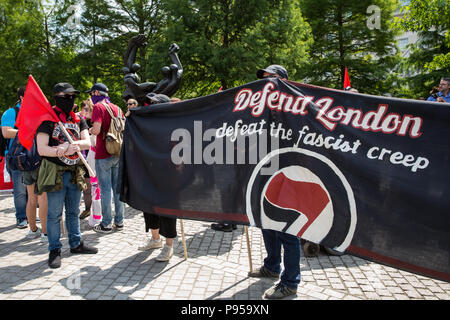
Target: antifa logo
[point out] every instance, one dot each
(288, 200)
(308, 197)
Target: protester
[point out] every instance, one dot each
(86, 114)
(61, 173)
(131, 103)
(9, 131)
(443, 95)
(274, 240)
(159, 225)
(107, 166)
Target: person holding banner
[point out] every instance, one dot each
(274, 240)
(159, 225)
(61, 174)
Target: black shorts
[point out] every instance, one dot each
(30, 177)
(167, 226)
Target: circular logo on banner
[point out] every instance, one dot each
(308, 197)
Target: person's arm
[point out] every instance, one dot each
(44, 150)
(96, 128)
(84, 143)
(8, 122)
(9, 133)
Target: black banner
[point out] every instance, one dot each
(355, 172)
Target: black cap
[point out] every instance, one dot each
(64, 87)
(157, 98)
(100, 87)
(274, 68)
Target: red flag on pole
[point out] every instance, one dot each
(346, 80)
(34, 110)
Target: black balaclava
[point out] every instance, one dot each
(65, 103)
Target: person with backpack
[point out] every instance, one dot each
(9, 131)
(108, 123)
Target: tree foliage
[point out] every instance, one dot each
(430, 56)
(343, 38)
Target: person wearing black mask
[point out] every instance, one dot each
(61, 174)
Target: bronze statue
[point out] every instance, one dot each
(139, 91)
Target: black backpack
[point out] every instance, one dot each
(4, 143)
(20, 158)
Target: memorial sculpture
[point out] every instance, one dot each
(142, 91)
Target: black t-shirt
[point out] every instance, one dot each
(57, 137)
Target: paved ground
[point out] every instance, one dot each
(216, 268)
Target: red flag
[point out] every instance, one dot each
(34, 110)
(346, 79)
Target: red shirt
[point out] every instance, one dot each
(101, 115)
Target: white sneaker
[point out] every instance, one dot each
(44, 238)
(150, 244)
(166, 253)
(33, 235)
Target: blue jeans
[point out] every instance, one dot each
(69, 197)
(107, 175)
(273, 240)
(19, 193)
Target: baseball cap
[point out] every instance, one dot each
(101, 88)
(274, 68)
(157, 98)
(64, 87)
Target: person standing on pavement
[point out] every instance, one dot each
(106, 165)
(9, 131)
(275, 240)
(61, 173)
(159, 225)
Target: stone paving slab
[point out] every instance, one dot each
(216, 268)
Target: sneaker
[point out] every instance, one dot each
(82, 248)
(263, 272)
(22, 223)
(225, 227)
(166, 253)
(150, 244)
(33, 234)
(279, 291)
(54, 259)
(118, 227)
(100, 228)
(85, 214)
(44, 238)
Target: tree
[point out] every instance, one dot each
(345, 35)
(223, 43)
(430, 57)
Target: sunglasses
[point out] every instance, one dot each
(131, 103)
(67, 96)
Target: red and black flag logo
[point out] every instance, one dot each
(308, 197)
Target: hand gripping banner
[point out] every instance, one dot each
(357, 173)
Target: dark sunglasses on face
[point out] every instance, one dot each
(131, 103)
(67, 96)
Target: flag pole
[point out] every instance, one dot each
(183, 240)
(248, 249)
(91, 172)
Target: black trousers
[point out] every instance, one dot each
(167, 226)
